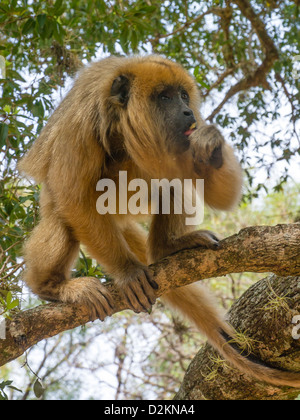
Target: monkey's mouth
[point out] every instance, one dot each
(192, 128)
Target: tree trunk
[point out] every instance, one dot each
(264, 314)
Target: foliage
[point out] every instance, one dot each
(6, 384)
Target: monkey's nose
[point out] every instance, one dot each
(189, 113)
(189, 117)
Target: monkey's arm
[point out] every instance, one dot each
(215, 162)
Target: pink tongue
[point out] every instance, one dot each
(189, 132)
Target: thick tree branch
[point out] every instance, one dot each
(255, 249)
(264, 314)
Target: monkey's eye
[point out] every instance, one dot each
(165, 97)
(185, 96)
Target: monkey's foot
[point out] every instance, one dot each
(198, 238)
(89, 292)
(138, 289)
(204, 238)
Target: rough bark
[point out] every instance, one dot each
(255, 249)
(264, 314)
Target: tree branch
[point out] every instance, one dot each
(255, 249)
(187, 24)
(258, 77)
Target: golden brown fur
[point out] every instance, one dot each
(107, 123)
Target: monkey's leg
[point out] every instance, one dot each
(136, 237)
(50, 254)
(169, 234)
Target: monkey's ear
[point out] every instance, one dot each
(120, 90)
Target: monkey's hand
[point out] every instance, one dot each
(207, 148)
(138, 288)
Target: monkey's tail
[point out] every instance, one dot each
(195, 303)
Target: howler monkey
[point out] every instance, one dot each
(139, 115)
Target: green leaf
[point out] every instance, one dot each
(14, 388)
(8, 298)
(7, 109)
(58, 32)
(5, 383)
(41, 19)
(38, 109)
(58, 4)
(8, 384)
(29, 26)
(13, 304)
(3, 134)
(38, 389)
(134, 40)
(10, 303)
(48, 28)
(59, 8)
(124, 38)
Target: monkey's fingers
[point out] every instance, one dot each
(216, 160)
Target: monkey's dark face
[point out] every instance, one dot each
(172, 103)
(156, 103)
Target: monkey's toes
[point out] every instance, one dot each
(90, 292)
(95, 296)
(138, 290)
(206, 239)
(100, 303)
